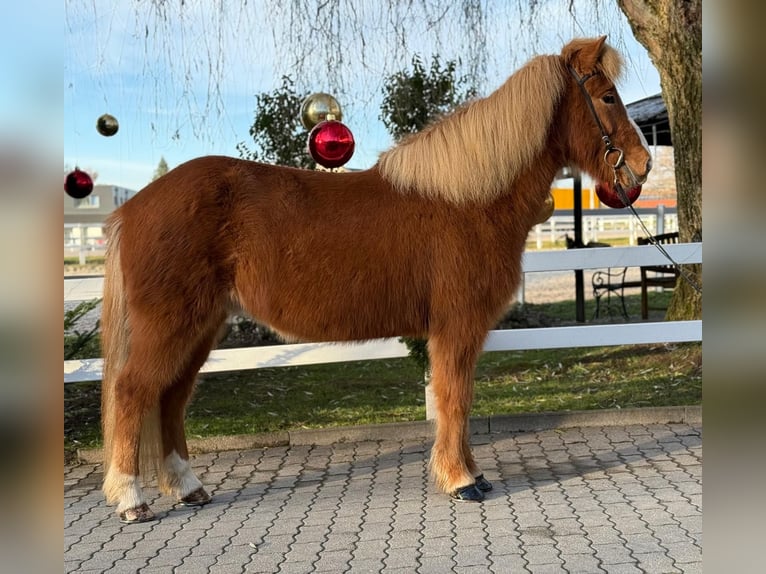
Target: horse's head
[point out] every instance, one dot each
(601, 138)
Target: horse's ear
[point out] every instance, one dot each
(584, 54)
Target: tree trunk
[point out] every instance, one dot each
(671, 31)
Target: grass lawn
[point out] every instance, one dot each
(382, 391)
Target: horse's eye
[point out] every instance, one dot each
(608, 99)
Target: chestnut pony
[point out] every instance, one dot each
(426, 243)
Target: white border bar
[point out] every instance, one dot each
(225, 360)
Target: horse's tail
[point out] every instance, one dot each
(115, 344)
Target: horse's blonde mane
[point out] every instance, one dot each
(476, 153)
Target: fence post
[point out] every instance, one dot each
(520, 295)
(660, 219)
(585, 230)
(631, 231)
(430, 400)
(81, 229)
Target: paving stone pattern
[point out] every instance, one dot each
(603, 500)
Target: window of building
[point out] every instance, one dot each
(121, 195)
(90, 202)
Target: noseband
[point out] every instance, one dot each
(611, 149)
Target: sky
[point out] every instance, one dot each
(185, 86)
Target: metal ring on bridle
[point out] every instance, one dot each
(620, 157)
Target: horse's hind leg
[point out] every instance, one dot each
(136, 396)
(176, 476)
(453, 360)
(162, 354)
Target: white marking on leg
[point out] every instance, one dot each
(180, 477)
(123, 489)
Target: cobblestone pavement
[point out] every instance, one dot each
(621, 499)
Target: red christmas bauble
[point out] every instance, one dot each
(78, 184)
(331, 143)
(608, 195)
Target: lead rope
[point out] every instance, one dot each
(681, 271)
(620, 163)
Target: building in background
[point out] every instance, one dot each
(84, 218)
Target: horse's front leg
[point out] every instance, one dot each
(453, 468)
(481, 482)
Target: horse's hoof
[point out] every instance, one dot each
(483, 484)
(196, 498)
(468, 493)
(138, 514)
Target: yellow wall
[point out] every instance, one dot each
(564, 198)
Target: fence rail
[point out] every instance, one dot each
(87, 238)
(500, 340)
(602, 225)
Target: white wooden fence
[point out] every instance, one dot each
(603, 225)
(87, 239)
(502, 340)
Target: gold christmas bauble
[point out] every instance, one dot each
(318, 108)
(107, 125)
(546, 210)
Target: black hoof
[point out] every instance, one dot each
(197, 498)
(468, 494)
(135, 515)
(483, 484)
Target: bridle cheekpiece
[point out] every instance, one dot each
(611, 149)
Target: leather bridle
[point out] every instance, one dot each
(621, 164)
(611, 149)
